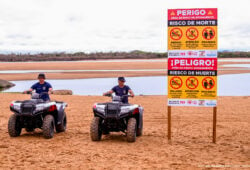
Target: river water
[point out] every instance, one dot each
(228, 85)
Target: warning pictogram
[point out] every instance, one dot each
(210, 12)
(208, 33)
(176, 34)
(176, 82)
(192, 82)
(208, 83)
(172, 13)
(192, 33)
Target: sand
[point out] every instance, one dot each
(191, 146)
(145, 64)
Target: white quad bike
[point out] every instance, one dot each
(37, 113)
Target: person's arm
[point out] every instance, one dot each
(108, 92)
(28, 91)
(33, 87)
(50, 91)
(131, 93)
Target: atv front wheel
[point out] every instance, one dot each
(95, 129)
(62, 127)
(48, 126)
(131, 130)
(14, 127)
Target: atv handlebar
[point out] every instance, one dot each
(110, 95)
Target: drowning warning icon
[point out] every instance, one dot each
(176, 82)
(176, 34)
(208, 33)
(192, 33)
(192, 83)
(208, 83)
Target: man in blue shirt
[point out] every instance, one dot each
(42, 86)
(121, 89)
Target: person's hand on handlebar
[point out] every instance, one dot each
(131, 93)
(27, 91)
(108, 93)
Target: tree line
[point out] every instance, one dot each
(101, 55)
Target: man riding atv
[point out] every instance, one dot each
(120, 90)
(41, 87)
(38, 112)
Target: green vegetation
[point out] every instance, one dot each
(101, 55)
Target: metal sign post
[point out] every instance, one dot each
(214, 123)
(169, 122)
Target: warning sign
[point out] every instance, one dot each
(193, 14)
(176, 82)
(192, 82)
(208, 83)
(192, 33)
(208, 33)
(195, 38)
(176, 33)
(192, 64)
(192, 57)
(194, 87)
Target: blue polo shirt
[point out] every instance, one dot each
(121, 91)
(42, 88)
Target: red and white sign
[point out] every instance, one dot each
(192, 64)
(193, 14)
(191, 102)
(192, 54)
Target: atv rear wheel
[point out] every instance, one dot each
(131, 130)
(95, 129)
(48, 126)
(14, 127)
(62, 127)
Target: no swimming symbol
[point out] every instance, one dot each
(176, 34)
(176, 82)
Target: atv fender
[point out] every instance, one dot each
(140, 117)
(60, 115)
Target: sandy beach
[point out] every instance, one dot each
(191, 146)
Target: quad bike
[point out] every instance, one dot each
(37, 113)
(116, 116)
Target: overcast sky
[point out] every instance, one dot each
(109, 25)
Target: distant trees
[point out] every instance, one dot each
(101, 55)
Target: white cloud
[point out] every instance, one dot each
(110, 25)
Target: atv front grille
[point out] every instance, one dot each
(111, 113)
(27, 109)
(112, 110)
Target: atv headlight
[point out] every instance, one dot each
(125, 110)
(16, 107)
(100, 108)
(39, 108)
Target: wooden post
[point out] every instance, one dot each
(214, 123)
(169, 122)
